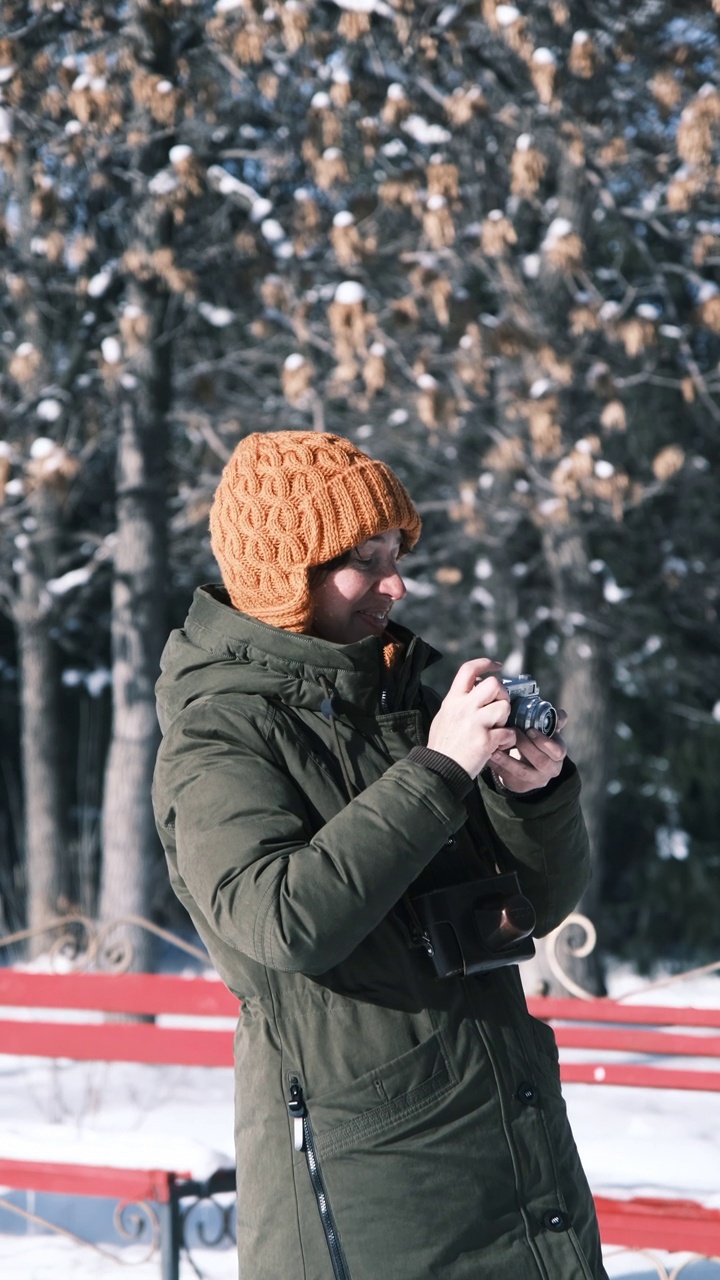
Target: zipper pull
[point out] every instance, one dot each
(298, 1111)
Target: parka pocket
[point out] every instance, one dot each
(389, 1095)
(393, 1098)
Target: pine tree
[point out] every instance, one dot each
(478, 238)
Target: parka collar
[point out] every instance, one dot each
(295, 667)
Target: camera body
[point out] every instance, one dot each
(527, 709)
(473, 927)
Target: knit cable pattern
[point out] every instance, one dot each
(288, 500)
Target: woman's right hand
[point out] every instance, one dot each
(470, 724)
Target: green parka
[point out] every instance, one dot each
(390, 1125)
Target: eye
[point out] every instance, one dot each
(377, 560)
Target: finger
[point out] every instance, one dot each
(543, 756)
(470, 672)
(535, 745)
(494, 716)
(562, 719)
(501, 741)
(541, 767)
(515, 774)
(541, 773)
(489, 690)
(519, 776)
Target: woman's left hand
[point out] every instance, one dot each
(533, 762)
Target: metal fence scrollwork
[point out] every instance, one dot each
(77, 944)
(576, 939)
(136, 1223)
(207, 1221)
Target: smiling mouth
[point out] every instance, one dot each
(379, 618)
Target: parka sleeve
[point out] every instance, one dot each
(543, 838)
(244, 842)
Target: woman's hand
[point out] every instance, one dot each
(533, 761)
(470, 724)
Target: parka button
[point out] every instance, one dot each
(528, 1094)
(554, 1220)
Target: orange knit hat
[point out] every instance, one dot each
(288, 500)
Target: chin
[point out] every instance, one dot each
(366, 631)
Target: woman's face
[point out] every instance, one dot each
(354, 601)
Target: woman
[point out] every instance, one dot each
(390, 1122)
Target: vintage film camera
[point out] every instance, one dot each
(472, 927)
(527, 708)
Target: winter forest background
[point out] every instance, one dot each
(484, 243)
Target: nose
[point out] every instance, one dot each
(391, 584)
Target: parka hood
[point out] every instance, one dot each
(221, 651)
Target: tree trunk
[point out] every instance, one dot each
(585, 696)
(129, 839)
(42, 749)
(130, 846)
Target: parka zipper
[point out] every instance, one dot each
(304, 1140)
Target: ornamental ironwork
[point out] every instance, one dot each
(79, 944)
(576, 938)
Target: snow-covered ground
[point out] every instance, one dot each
(632, 1141)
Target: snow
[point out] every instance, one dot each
(68, 581)
(43, 447)
(163, 183)
(228, 185)
(544, 57)
(272, 230)
(99, 284)
(350, 293)
(558, 229)
(6, 126)
(179, 153)
(111, 350)
(218, 317)
(110, 1149)
(660, 1143)
(428, 135)
(360, 6)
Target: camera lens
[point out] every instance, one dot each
(546, 719)
(533, 713)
